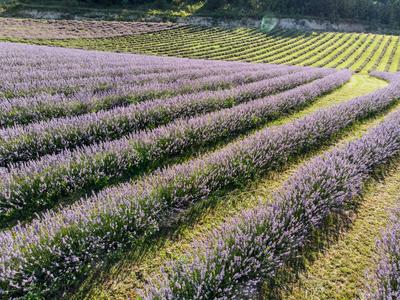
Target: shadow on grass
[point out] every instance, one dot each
(194, 151)
(171, 232)
(333, 231)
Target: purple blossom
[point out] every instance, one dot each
(255, 245)
(64, 242)
(112, 91)
(386, 275)
(22, 143)
(39, 183)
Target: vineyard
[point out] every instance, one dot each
(361, 53)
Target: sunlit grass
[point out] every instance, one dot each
(243, 44)
(340, 272)
(123, 278)
(337, 273)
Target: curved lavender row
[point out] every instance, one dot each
(76, 70)
(29, 188)
(12, 88)
(138, 76)
(35, 140)
(68, 60)
(59, 245)
(257, 244)
(144, 74)
(46, 106)
(18, 57)
(63, 85)
(69, 68)
(385, 75)
(88, 64)
(387, 273)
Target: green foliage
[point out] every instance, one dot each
(359, 52)
(374, 12)
(133, 267)
(385, 12)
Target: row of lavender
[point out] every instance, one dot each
(256, 245)
(387, 273)
(227, 85)
(107, 77)
(386, 276)
(211, 86)
(36, 68)
(31, 70)
(53, 249)
(30, 187)
(22, 143)
(81, 74)
(109, 92)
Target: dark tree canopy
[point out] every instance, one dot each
(376, 11)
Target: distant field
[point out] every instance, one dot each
(359, 52)
(64, 29)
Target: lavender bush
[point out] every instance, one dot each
(53, 249)
(37, 184)
(32, 141)
(387, 273)
(255, 245)
(110, 77)
(386, 76)
(109, 93)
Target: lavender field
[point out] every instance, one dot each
(73, 29)
(103, 155)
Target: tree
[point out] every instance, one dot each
(215, 4)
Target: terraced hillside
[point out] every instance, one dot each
(172, 178)
(359, 52)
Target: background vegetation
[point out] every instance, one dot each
(377, 12)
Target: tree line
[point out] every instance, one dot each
(376, 11)
(385, 12)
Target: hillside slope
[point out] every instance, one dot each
(361, 53)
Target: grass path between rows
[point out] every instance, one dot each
(340, 272)
(122, 279)
(385, 60)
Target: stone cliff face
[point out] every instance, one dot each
(221, 22)
(287, 23)
(312, 24)
(270, 23)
